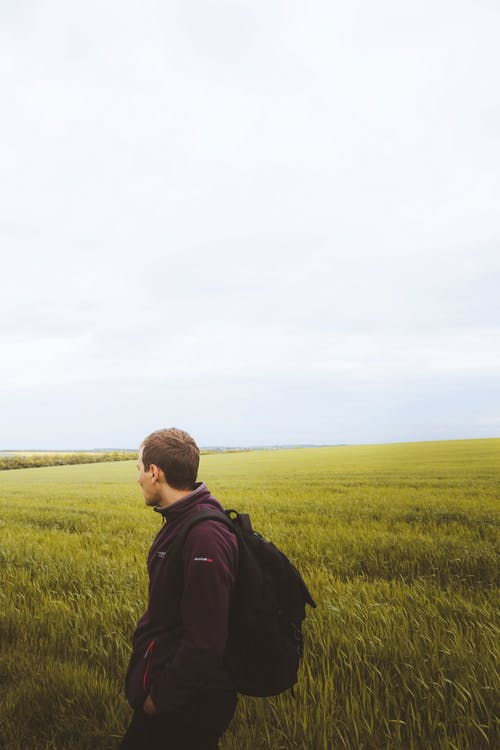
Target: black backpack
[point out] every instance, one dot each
(265, 642)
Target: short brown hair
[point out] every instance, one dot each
(176, 453)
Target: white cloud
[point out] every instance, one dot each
(271, 203)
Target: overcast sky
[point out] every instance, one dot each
(264, 222)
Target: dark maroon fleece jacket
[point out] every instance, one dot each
(178, 645)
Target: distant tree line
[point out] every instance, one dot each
(60, 459)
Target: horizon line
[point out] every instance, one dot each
(253, 446)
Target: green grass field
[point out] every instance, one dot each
(398, 544)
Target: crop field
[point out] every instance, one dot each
(398, 544)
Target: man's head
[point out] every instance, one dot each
(168, 460)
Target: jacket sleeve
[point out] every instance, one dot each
(210, 558)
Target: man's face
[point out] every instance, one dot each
(148, 486)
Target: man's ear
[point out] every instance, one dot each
(154, 471)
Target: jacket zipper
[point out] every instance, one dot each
(148, 655)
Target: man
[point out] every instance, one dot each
(176, 681)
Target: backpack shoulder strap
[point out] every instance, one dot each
(198, 517)
(236, 522)
(194, 519)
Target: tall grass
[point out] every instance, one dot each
(399, 544)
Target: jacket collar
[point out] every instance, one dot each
(185, 505)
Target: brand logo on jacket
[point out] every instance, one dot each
(203, 559)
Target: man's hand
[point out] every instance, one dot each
(149, 707)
